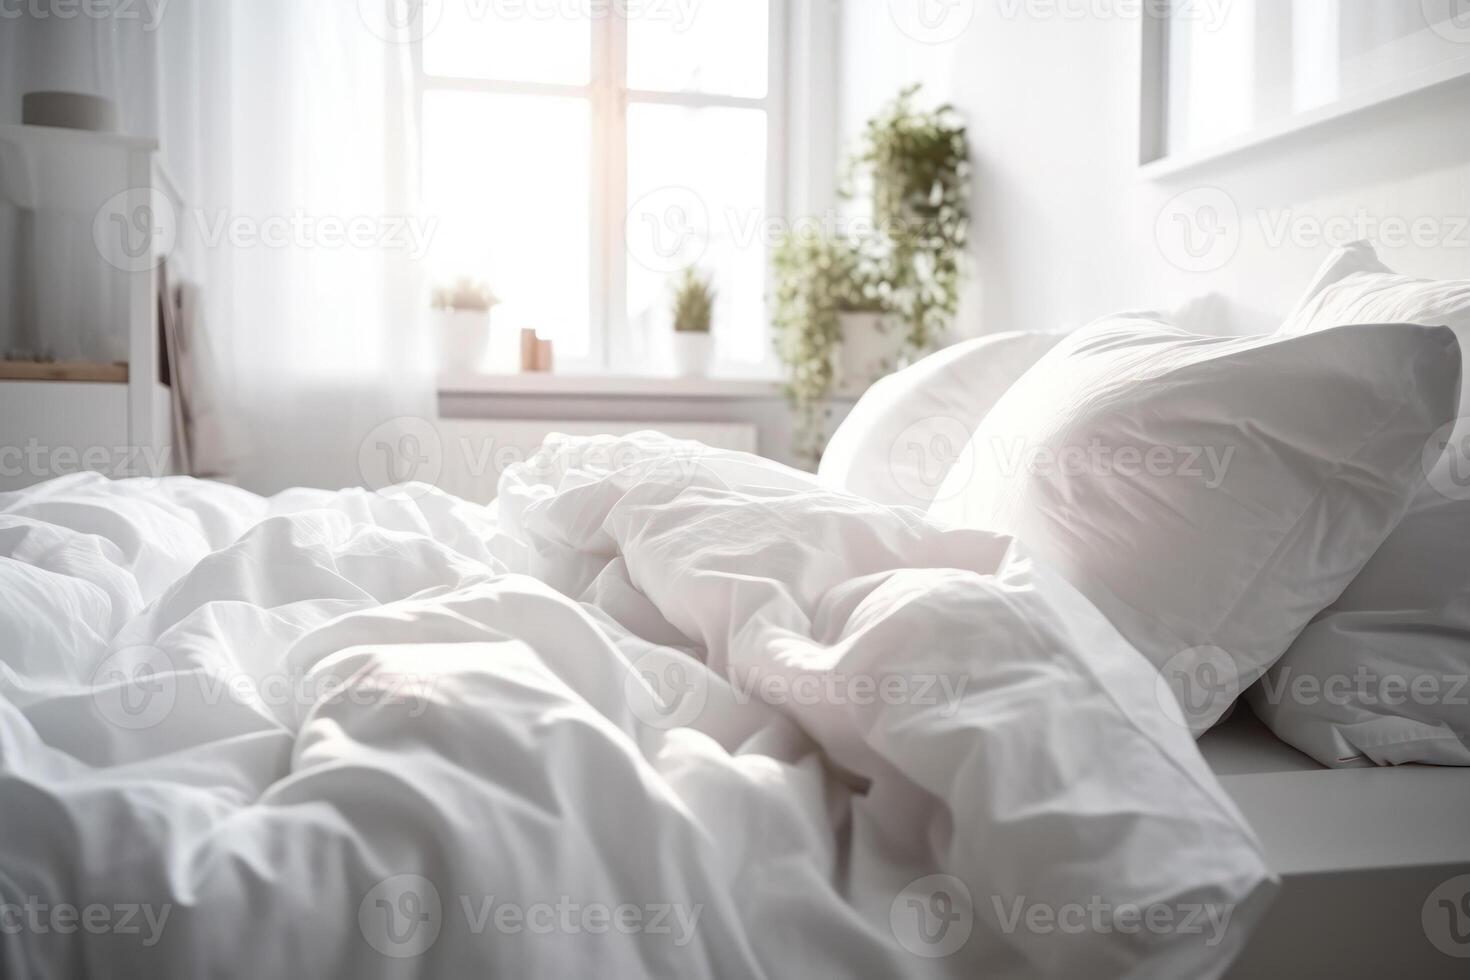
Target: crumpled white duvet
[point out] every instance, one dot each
(661, 711)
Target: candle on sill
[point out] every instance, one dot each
(528, 349)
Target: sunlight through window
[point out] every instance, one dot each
(580, 155)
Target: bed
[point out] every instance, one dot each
(665, 709)
(1360, 852)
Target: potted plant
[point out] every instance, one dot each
(916, 164)
(851, 308)
(463, 308)
(822, 281)
(694, 303)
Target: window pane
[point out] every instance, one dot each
(524, 42)
(507, 177)
(697, 193)
(714, 46)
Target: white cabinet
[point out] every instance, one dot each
(52, 428)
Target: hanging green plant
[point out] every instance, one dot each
(918, 166)
(911, 167)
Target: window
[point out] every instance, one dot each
(581, 153)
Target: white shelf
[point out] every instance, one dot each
(54, 137)
(53, 169)
(97, 177)
(1174, 164)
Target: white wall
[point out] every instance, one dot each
(1065, 227)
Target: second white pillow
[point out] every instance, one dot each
(1382, 676)
(901, 439)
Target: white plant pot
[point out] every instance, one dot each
(869, 349)
(692, 353)
(464, 339)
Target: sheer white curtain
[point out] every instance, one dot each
(290, 129)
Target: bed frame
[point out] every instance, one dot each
(1359, 852)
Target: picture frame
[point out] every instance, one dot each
(1303, 63)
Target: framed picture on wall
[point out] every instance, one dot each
(1225, 75)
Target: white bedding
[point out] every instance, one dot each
(669, 711)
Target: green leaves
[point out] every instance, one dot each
(915, 167)
(817, 277)
(694, 303)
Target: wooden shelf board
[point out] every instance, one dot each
(63, 371)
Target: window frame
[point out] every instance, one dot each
(608, 97)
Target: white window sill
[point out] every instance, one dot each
(609, 386)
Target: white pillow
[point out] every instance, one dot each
(1354, 287)
(1383, 675)
(1209, 494)
(1343, 262)
(907, 431)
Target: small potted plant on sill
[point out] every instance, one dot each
(463, 308)
(694, 303)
